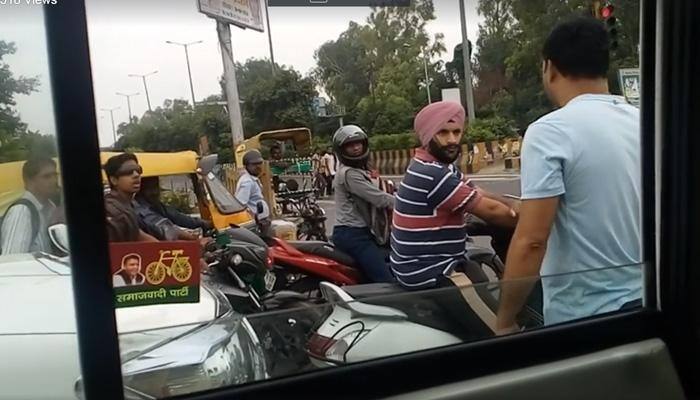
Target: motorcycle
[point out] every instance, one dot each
(300, 265)
(241, 269)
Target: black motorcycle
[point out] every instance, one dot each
(239, 266)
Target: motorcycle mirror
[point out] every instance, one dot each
(59, 237)
(206, 164)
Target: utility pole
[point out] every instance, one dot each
(187, 58)
(145, 87)
(111, 114)
(224, 32)
(427, 79)
(466, 59)
(269, 38)
(128, 101)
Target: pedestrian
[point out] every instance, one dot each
(329, 162)
(248, 187)
(581, 188)
(355, 198)
(26, 221)
(124, 175)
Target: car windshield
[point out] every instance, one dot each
(224, 200)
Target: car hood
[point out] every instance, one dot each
(37, 298)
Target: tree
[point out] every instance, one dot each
(375, 70)
(16, 141)
(274, 102)
(282, 101)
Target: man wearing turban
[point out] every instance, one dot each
(429, 231)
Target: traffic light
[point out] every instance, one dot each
(607, 14)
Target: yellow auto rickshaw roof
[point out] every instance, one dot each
(154, 164)
(162, 164)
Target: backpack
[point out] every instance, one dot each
(36, 221)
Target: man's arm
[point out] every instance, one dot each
(511, 203)
(145, 237)
(524, 260)
(184, 220)
(495, 212)
(364, 189)
(16, 230)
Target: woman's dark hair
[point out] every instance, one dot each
(113, 165)
(579, 48)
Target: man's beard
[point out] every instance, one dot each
(444, 154)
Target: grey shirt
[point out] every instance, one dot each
(356, 195)
(17, 228)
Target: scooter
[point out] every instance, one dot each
(377, 320)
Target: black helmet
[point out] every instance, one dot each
(348, 134)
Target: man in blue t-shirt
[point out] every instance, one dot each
(581, 189)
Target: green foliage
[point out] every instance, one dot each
(488, 129)
(399, 141)
(274, 102)
(282, 101)
(16, 141)
(375, 70)
(179, 199)
(508, 76)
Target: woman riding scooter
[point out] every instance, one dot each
(355, 197)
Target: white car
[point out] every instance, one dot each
(165, 349)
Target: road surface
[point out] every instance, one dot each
(501, 184)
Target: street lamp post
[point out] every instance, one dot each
(466, 59)
(145, 87)
(187, 58)
(128, 101)
(269, 38)
(111, 114)
(427, 79)
(425, 71)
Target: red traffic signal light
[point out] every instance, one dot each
(607, 11)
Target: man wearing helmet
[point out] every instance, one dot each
(248, 187)
(428, 235)
(355, 198)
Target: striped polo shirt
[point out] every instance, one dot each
(428, 234)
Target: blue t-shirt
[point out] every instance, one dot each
(588, 154)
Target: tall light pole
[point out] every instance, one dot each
(145, 87)
(187, 58)
(427, 79)
(467, 64)
(128, 100)
(111, 114)
(269, 38)
(425, 70)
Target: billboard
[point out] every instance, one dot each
(242, 13)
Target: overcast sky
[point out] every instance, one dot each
(128, 37)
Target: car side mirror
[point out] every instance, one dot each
(59, 237)
(207, 163)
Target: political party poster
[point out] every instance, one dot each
(146, 273)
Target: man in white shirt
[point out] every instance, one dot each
(329, 162)
(248, 187)
(25, 224)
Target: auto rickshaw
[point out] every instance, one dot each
(214, 201)
(299, 139)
